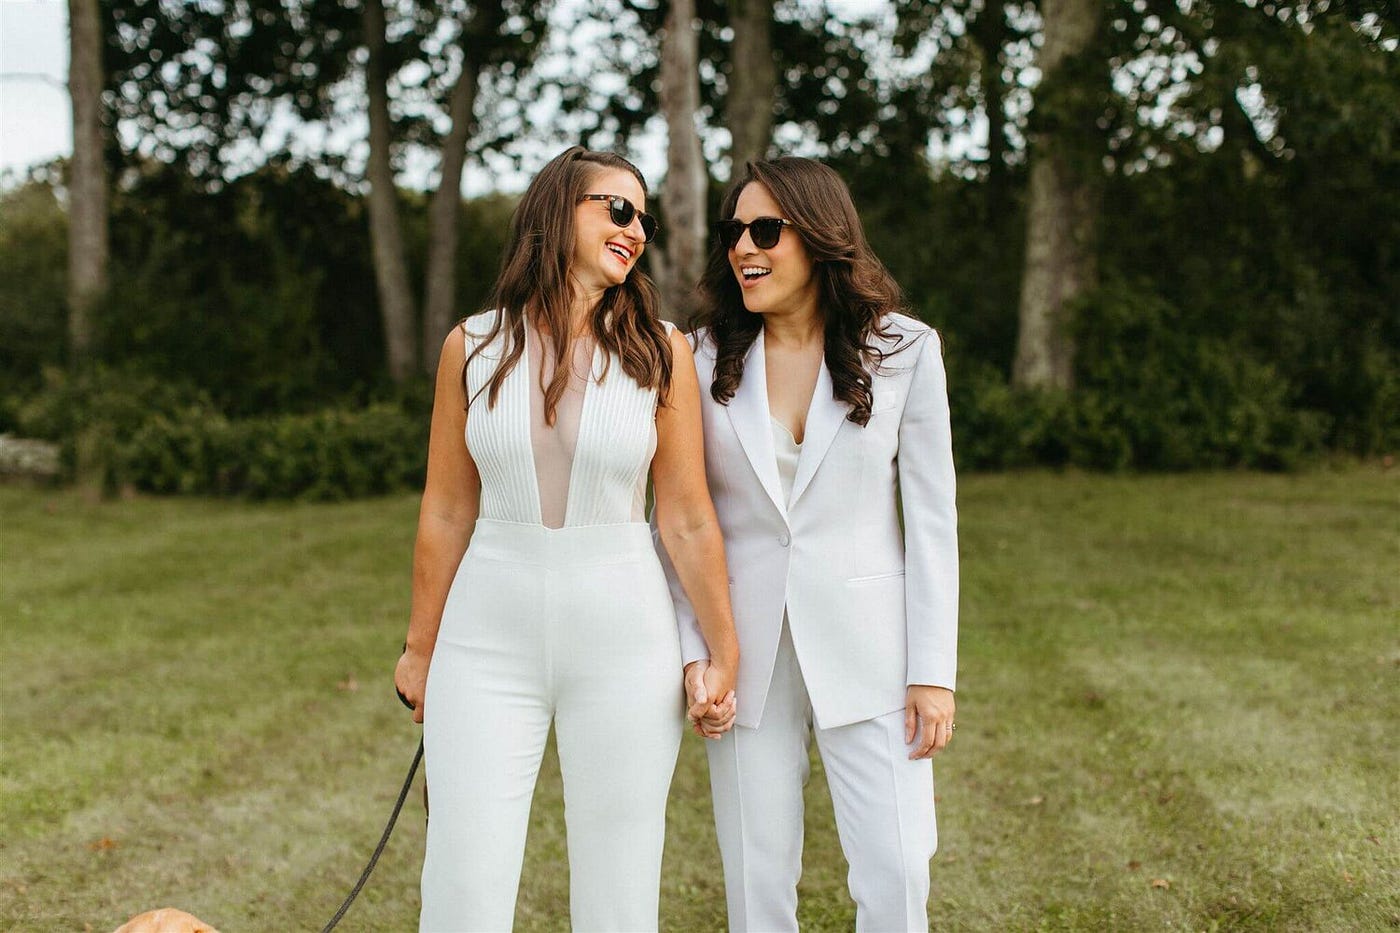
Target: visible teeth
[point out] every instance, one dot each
(619, 251)
(753, 272)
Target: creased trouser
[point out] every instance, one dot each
(573, 625)
(883, 803)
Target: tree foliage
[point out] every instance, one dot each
(1246, 152)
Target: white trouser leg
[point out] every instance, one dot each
(618, 725)
(484, 741)
(616, 764)
(885, 817)
(756, 777)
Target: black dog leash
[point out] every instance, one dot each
(384, 839)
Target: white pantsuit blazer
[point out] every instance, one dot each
(872, 607)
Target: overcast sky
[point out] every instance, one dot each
(35, 124)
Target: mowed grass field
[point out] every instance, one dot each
(1179, 709)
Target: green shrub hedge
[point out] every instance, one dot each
(1149, 395)
(134, 431)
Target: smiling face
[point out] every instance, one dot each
(780, 279)
(605, 253)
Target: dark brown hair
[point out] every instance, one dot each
(535, 285)
(856, 291)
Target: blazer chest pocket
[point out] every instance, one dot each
(874, 578)
(883, 400)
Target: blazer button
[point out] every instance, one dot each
(784, 539)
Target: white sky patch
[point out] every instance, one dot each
(35, 122)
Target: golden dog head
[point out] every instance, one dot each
(165, 920)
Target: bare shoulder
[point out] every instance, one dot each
(680, 343)
(454, 349)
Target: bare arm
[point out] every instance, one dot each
(686, 521)
(446, 518)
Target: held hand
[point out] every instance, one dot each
(703, 680)
(928, 714)
(410, 679)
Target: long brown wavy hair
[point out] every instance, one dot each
(856, 291)
(535, 286)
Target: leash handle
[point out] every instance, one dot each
(383, 840)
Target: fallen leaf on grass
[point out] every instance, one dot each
(1348, 877)
(1161, 883)
(349, 684)
(1035, 801)
(1134, 865)
(106, 842)
(1166, 796)
(1375, 839)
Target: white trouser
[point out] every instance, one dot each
(883, 804)
(573, 625)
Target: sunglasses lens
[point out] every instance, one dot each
(729, 232)
(621, 211)
(765, 232)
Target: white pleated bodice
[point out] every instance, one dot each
(588, 468)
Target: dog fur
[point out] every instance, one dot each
(165, 920)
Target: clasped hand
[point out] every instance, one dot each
(709, 693)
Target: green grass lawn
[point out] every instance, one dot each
(1179, 709)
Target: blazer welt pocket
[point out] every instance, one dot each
(876, 577)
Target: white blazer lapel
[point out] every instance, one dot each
(749, 414)
(824, 418)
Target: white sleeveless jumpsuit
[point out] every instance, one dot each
(570, 624)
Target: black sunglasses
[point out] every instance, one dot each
(764, 231)
(622, 211)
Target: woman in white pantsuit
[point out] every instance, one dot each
(825, 411)
(537, 594)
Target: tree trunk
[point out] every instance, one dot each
(683, 196)
(440, 292)
(1063, 200)
(386, 239)
(752, 82)
(989, 32)
(87, 180)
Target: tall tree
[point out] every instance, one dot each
(87, 177)
(687, 180)
(753, 81)
(386, 236)
(1064, 199)
(205, 85)
(990, 32)
(489, 35)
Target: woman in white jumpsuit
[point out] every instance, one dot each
(538, 596)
